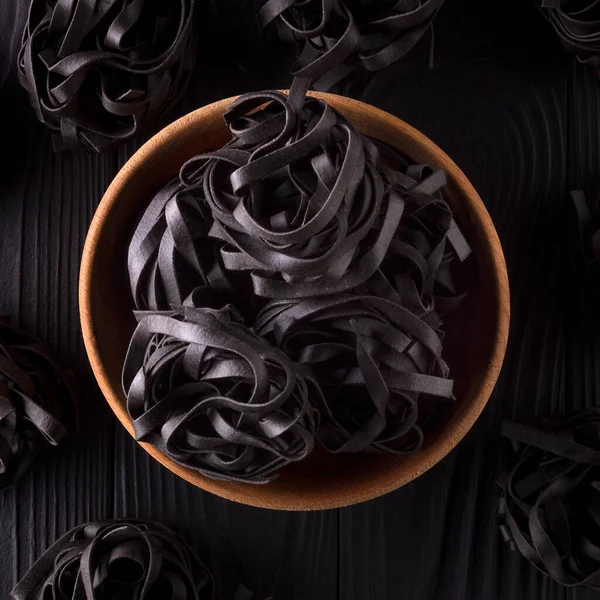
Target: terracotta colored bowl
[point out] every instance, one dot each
(475, 342)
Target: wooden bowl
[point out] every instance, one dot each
(476, 339)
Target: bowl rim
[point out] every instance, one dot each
(445, 442)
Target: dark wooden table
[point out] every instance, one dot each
(521, 117)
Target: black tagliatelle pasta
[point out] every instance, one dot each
(217, 398)
(343, 37)
(38, 402)
(98, 70)
(106, 560)
(549, 508)
(296, 197)
(577, 23)
(375, 360)
(337, 251)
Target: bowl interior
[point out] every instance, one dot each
(474, 344)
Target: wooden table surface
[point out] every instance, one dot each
(521, 117)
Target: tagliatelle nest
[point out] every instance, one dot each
(551, 494)
(106, 560)
(296, 197)
(343, 37)
(376, 363)
(99, 70)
